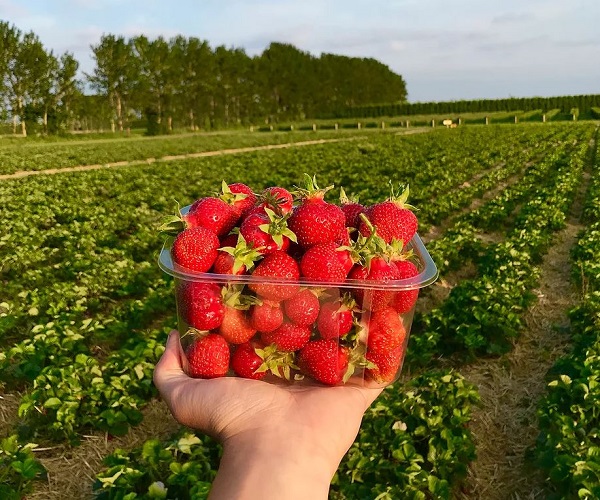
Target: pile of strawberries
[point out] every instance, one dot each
(305, 309)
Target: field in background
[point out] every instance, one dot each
(84, 309)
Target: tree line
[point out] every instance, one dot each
(179, 82)
(586, 105)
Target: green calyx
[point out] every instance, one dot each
(312, 190)
(232, 297)
(345, 199)
(400, 197)
(276, 362)
(366, 248)
(243, 254)
(173, 224)
(228, 196)
(277, 228)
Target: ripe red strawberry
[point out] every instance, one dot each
(195, 249)
(386, 364)
(288, 337)
(324, 361)
(326, 262)
(208, 356)
(236, 327)
(385, 331)
(266, 231)
(276, 266)
(267, 316)
(278, 199)
(392, 218)
(405, 300)
(235, 256)
(212, 213)
(239, 196)
(200, 304)
(315, 220)
(352, 209)
(245, 362)
(381, 271)
(303, 308)
(336, 318)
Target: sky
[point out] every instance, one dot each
(444, 49)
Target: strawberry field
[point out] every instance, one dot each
(85, 310)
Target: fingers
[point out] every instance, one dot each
(169, 365)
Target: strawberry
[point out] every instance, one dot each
(386, 364)
(381, 271)
(237, 259)
(200, 304)
(208, 355)
(267, 316)
(212, 213)
(288, 337)
(274, 267)
(195, 249)
(392, 218)
(315, 220)
(326, 262)
(385, 331)
(336, 318)
(239, 196)
(245, 362)
(405, 300)
(303, 308)
(266, 231)
(351, 208)
(278, 199)
(236, 327)
(324, 361)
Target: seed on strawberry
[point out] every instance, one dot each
(385, 331)
(200, 304)
(208, 356)
(326, 262)
(392, 218)
(276, 266)
(288, 337)
(303, 308)
(195, 249)
(267, 316)
(325, 361)
(315, 220)
(212, 213)
(386, 364)
(405, 300)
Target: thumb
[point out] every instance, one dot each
(170, 364)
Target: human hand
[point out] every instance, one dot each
(279, 441)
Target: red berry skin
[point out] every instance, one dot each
(200, 304)
(391, 222)
(256, 237)
(323, 360)
(195, 249)
(245, 362)
(242, 207)
(280, 199)
(316, 221)
(212, 213)
(387, 364)
(277, 266)
(267, 316)
(303, 308)
(386, 331)
(288, 337)
(334, 320)
(236, 327)
(208, 357)
(405, 300)
(352, 213)
(323, 262)
(380, 271)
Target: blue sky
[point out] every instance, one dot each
(445, 50)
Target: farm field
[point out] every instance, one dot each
(508, 212)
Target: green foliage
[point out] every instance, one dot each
(18, 468)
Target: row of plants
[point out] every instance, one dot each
(568, 445)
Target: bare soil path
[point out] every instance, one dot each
(505, 427)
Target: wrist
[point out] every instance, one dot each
(274, 466)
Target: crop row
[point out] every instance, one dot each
(568, 446)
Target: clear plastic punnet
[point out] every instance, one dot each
(358, 332)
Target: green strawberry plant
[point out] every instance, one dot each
(18, 468)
